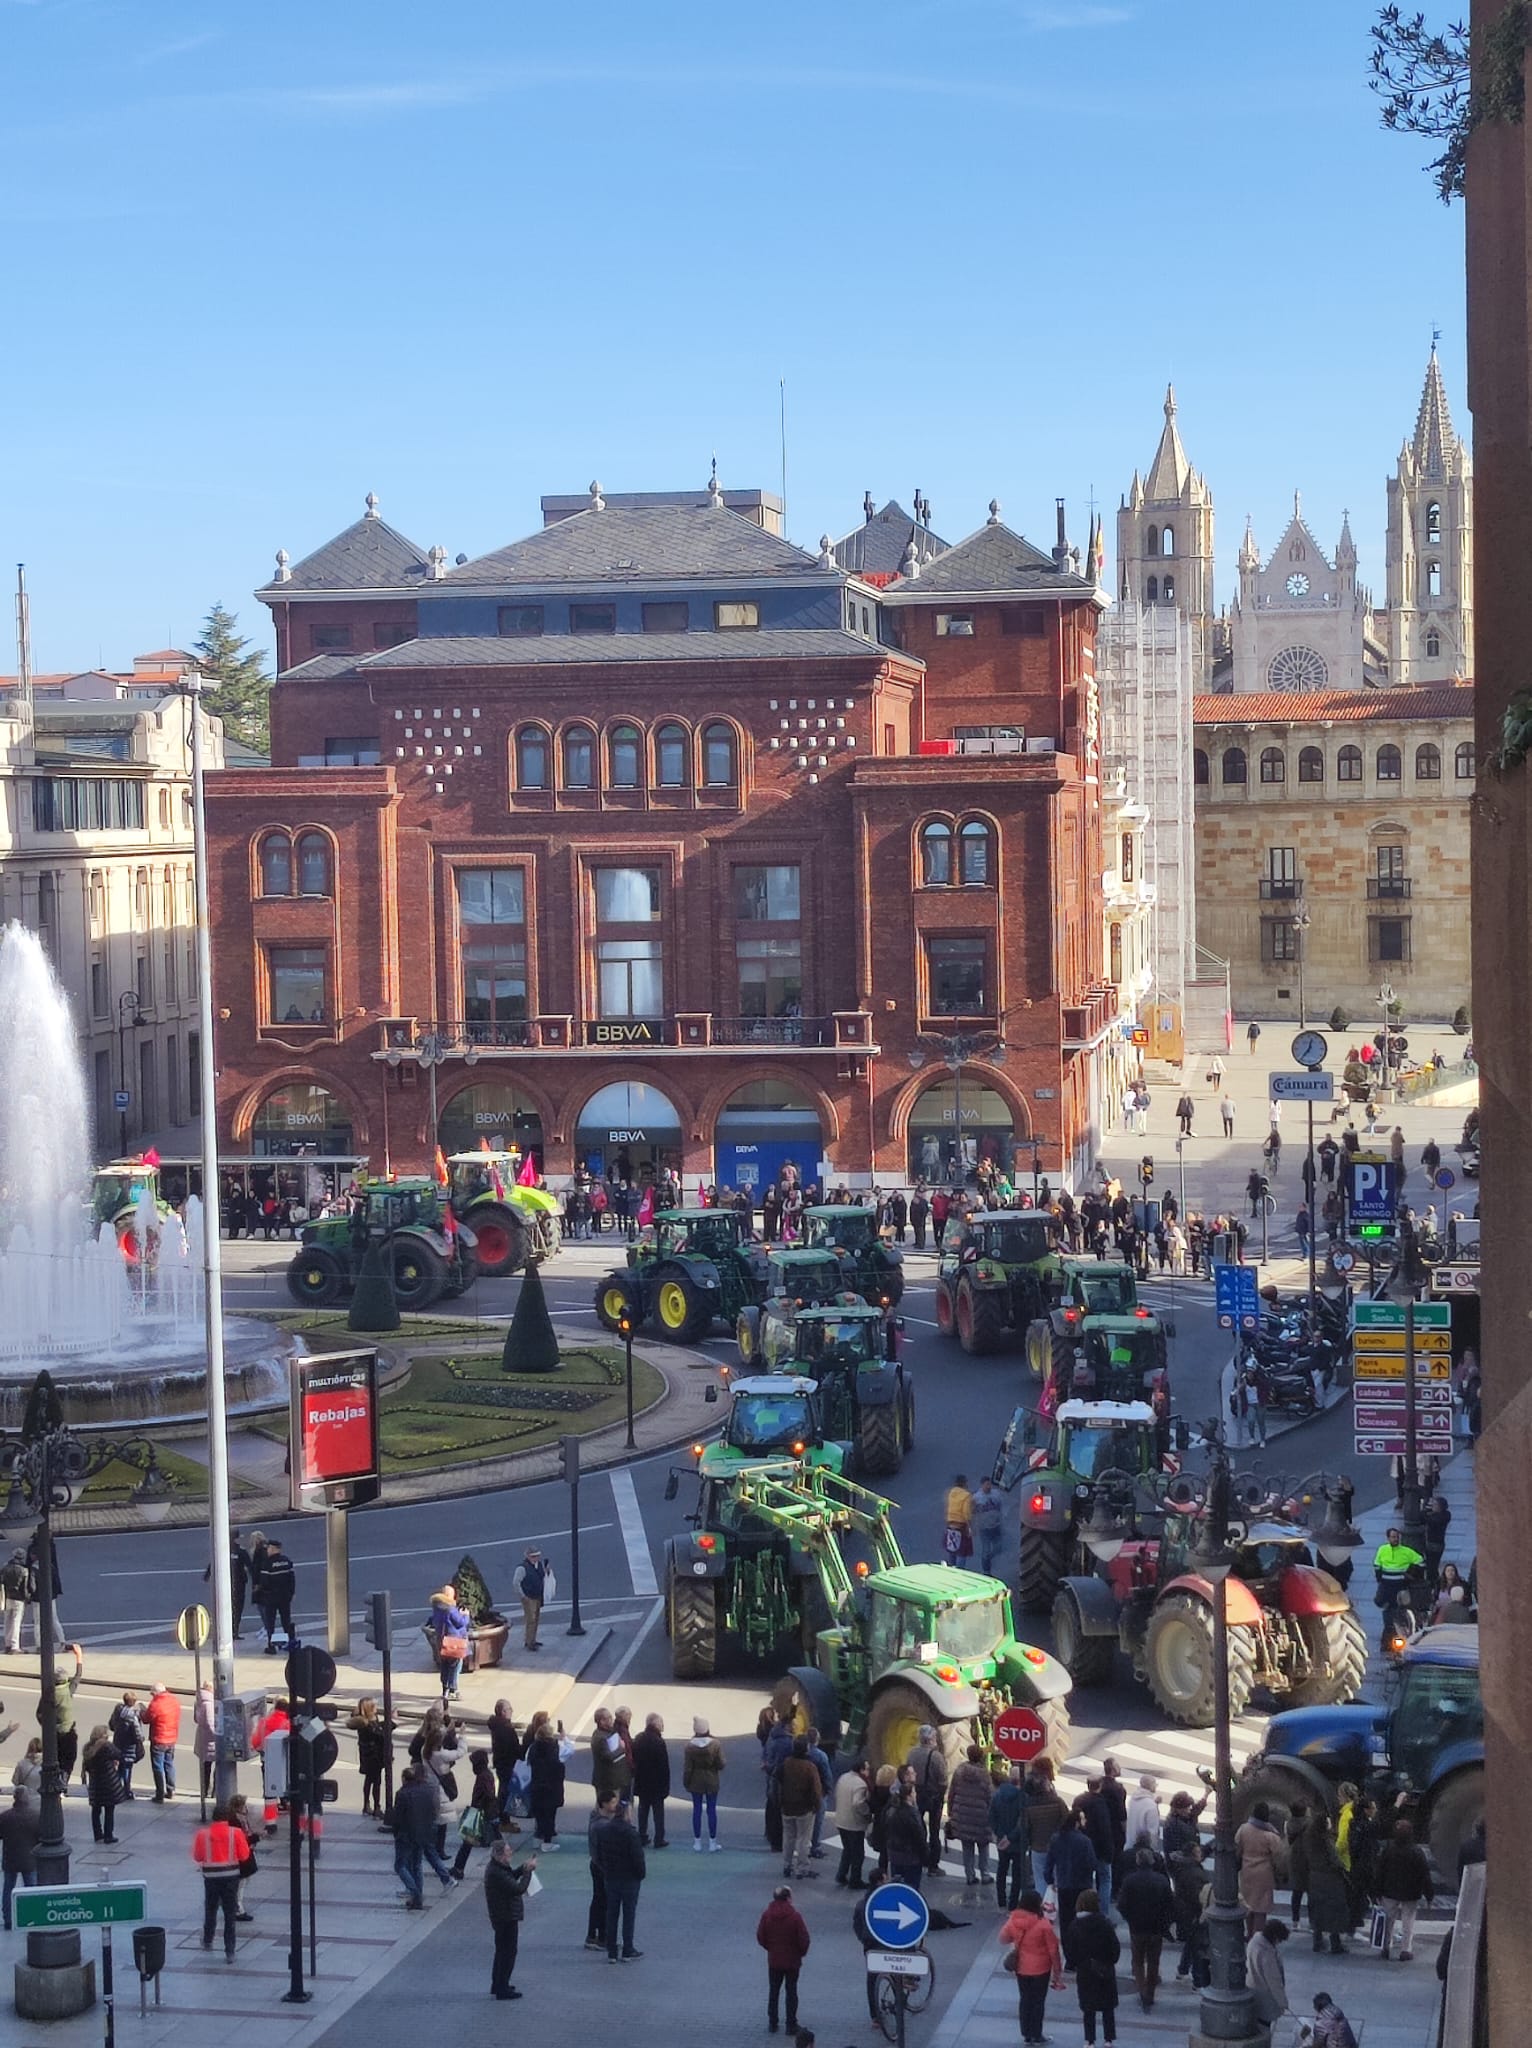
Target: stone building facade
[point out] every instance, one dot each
(1333, 849)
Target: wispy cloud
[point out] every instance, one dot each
(180, 46)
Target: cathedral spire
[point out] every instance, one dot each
(1170, 470)
(1434, 438)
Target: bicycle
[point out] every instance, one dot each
(917, 1994)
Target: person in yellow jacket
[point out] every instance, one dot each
(1397, 1566)
(957, 1543)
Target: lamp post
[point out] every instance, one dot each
(126, 1001)
(1227, 2012)
(47, 1464)
(1301, 925)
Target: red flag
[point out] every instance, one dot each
(441, 1166)
(701, 1196)
(527, 1178)
(151, 1157)
(646, 1207)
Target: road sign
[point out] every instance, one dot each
(193, 1627)
(74, 1905)
(1429, 1365)
(1020, 1735)
(1372, 1190)
(1309, 1048)
(898, 1915)
(1310, 1087)
(1389, 1315)
(1433, 1394)
(1391, 1343)
(882, 1962)
(309, 1672)
(122, 1098)
(1460, 1279)
(1235, 1296)
(1343, 1261)
(1391, 1414)
(1394, 1445)
(1445, 1178)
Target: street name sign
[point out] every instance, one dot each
(1393, 1445)
(897, 1916)
(1389, 1315)
(1309, 1087)
(73, 1905)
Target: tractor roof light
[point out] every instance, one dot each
(862, 1568)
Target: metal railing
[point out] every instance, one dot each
(1280, 889)
(1392, 887)
(772, 1031)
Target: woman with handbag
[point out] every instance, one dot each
(450, 1627)
(438, 1755)
(372, 1734)
(1091, 1949)
(477, 1824)
(1034, 1959)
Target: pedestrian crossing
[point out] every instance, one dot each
(1171, 1755)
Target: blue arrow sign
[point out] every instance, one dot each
(897, 1916)
(1445, 1178)
(1235, 1296)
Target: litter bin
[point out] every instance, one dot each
(149, 1961)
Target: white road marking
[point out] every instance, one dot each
(626, 1659)
(630, 1519)
(954, 2021)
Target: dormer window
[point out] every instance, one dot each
(743, 616)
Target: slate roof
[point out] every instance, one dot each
(1345, 707)
(993, 560)
(371, 555)
(639, 544)
(876, 547)
(572, 649)
(320, 667)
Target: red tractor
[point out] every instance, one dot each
(1292, 1630)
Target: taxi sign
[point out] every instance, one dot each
(882, 1962)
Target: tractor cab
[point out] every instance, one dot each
(1093, 1437)
(848, 1335)
(1009, 1237)
(473, 1175)
(697, 1233)
(846, 1226)
(773, 1414)
(1267, 1551)
(1099, 1287)
(799, 1277)
(1121, 1358)
(117, 1188)
(874, 1267)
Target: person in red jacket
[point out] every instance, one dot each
(1038, 1964)
(162, 1717)
(219, 1849)
(783, 1934)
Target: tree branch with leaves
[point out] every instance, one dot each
(1433, 83)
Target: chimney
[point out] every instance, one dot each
(868, 508)
(1061, 549)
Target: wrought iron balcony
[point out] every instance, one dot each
(1281, 889)
(1391, 887)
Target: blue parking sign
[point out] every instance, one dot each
(1372, 1189)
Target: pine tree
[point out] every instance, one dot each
(530, 1342)
(240, 689)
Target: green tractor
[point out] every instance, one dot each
(431, 1253)
(773, 1417)
(873, 1269)
(901, 1644)
(998, 1277)
(1087, 1440)
(1090, 1357)
(512, 1226)
(125, 1199)
(851, 1349)
(699, 1266)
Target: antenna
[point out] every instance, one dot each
(782, 422)
(23, 639)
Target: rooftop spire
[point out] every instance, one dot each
(1434, 438)
(1170, 470)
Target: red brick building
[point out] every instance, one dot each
(651, 839)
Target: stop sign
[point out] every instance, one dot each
(1020, 1735)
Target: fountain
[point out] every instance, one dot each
(123, 1341)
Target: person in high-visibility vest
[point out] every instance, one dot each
(219, 1849)
(1396, 1566)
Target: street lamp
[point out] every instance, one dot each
(955, 1050)
(126, 1001)
(1301, 925)
(48, 1464)
(1228, 2012)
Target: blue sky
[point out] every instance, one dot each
(272, 257)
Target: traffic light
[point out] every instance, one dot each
(1146, 1170)
(309, 1756)
(378, 1617)
(1398, 1047)
(569, 1458)
(626, 1323)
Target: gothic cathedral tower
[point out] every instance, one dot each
(1165, 543)
(1430, 548)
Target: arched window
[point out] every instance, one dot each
(579, 758)
(1154, 541)
(1428, 764)
(935, 855)
(1234, 764)
(1152, 591)
(720, 767)
(670, 756)
(1433, 644)
(276, 865)
(313, 864)
(974, 855)
(1273, 765)
(1168, 541)
(1168, 590)
(1433, 579)
(1463, 764)
(1348, 765)
(1311, 765)
(531, 758)
(623, 757)
(1199, 767)
(1390, 765)
(1433, 524)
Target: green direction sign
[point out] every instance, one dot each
(69, 1905)
(1388, 1315)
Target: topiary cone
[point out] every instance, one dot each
(373, 1306)
(530, 1343)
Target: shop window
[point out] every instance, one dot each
(623, 757)
(276, 861)
(1311, 765)
(1234, 764)
(670, 750)
(531, 758)
(1428, 763)
(1348, 765)
(957, 976)
(579, 758)
(720, 765)
(314, 878)
(1390, 764)
(297, 978)
(974, 853)
(1273, 765)
(935, 855)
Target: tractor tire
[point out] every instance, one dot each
(808, 1699)
(945, 1321)
(420, 1274)
(980, 1320)
(504, 1240)
(1040, 1348)
(895, 1720)
(1087, 1659)
(611, 1299)
(315, 1279)
(747, 1338)
(692, 1617)
(1178, 1661)
(908, 1399)
(1044, 1561)
(1276, 1790)
(1337, 1647)
(878, 1451)
(1455, 1812)
(680, 1311)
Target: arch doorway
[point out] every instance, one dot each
(629, 1131)
(301, 1118)
(494, 1114)
(763, 1127)
(937, 1151)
